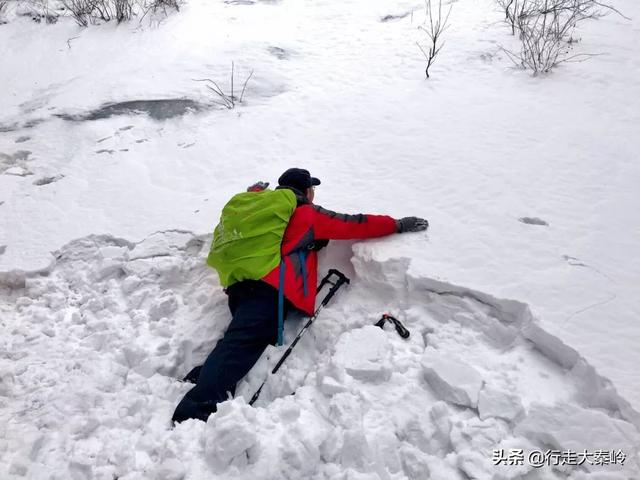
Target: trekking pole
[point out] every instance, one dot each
(335, 286)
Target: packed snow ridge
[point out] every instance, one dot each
(96, 343)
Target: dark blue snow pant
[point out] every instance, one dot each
(254, 308)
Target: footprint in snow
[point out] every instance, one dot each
(47, 180)
(573, 261)
(533, 221)
(390, 17)
(279, 53)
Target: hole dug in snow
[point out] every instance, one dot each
(105, 334)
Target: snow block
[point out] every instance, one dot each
(570, 427)
(365, 354)
(452, 380)
(356, 451)
(497, 403)
(170, 469)
(160, 244)
(230, 433)
(330, 386)
(331, 379)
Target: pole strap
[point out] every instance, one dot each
(402, 331)
(302, 256)
(281, 304)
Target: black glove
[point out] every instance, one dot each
(411, 224)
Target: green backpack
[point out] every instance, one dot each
(246, 242)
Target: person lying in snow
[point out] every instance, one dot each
(297, 229)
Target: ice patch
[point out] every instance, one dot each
(158, 109)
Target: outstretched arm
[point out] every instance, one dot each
(330, 225)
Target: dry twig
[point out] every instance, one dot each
(226, 100)
(434, 30)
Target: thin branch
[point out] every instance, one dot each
(70, 40)
(611, 7)
(245, 86)
(228, 101)
(232, 68)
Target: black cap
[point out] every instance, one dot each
(298, 178)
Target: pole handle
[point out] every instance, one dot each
(342, 279)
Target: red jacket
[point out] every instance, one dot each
(308, 224)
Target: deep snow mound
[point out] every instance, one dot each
(96, 344)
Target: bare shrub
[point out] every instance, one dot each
(81, 10)
(543, 38)
(37, 10)
(86, 12)
(434, 29)
(514, 9)
(123, 9)
(545, 29)
(102, 10)
(3, 11)
(227, 100)
(89, 11)
(163, 5)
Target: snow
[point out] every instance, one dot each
(526, 280)
(101, 404)
(451, 380)
(365, 354)
(566, 427)
(497, 403)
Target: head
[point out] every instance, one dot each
(310, 193)
(299, 180)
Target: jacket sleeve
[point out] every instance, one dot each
(329, 225)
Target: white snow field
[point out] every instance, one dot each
(522, 300)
